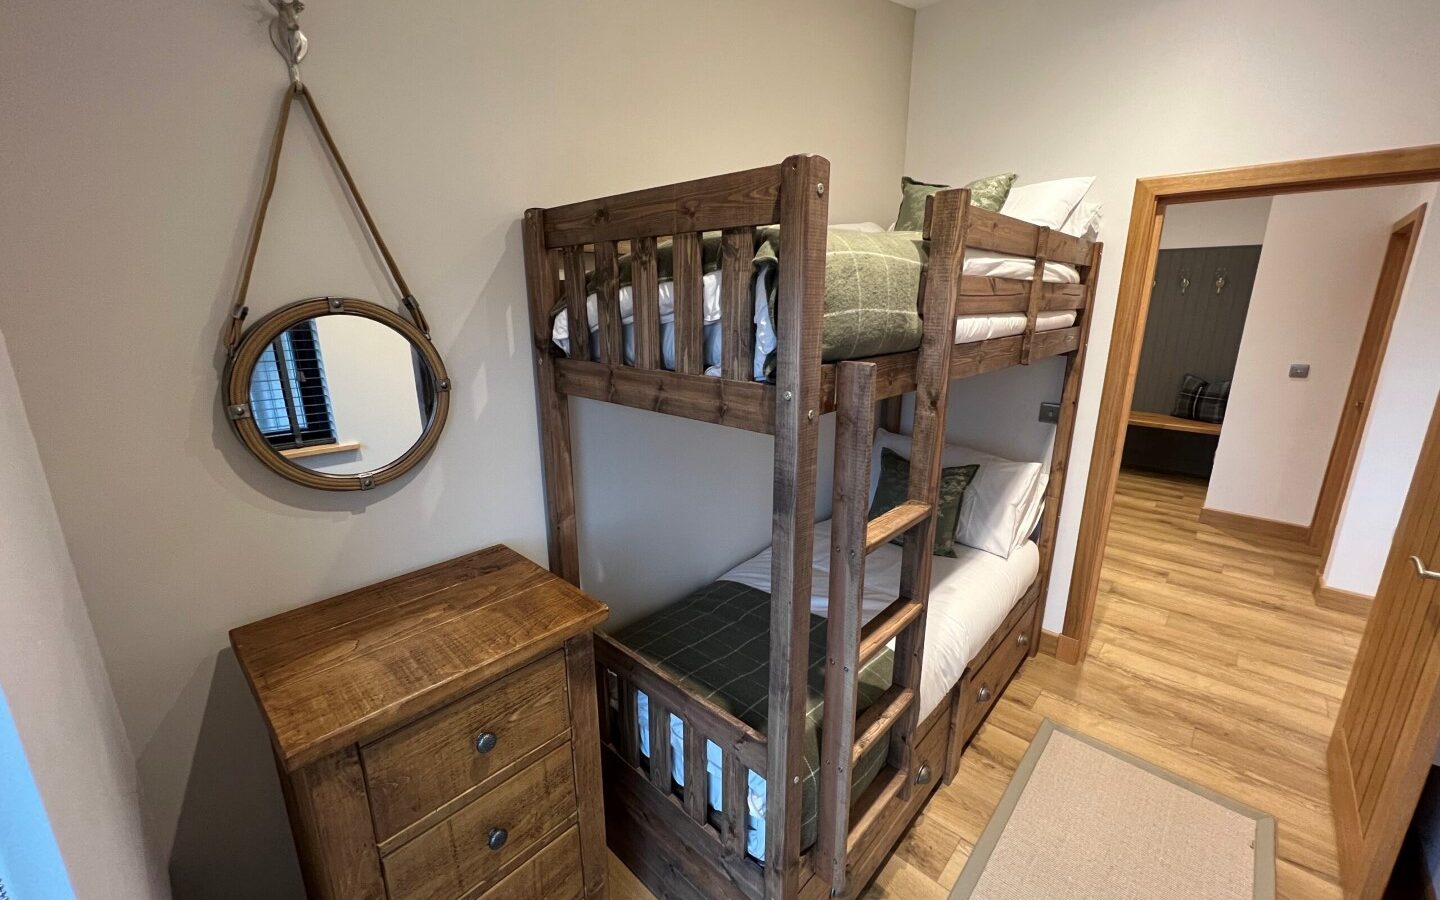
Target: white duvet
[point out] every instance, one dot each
(970, 596)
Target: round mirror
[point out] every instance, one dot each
(337, 394)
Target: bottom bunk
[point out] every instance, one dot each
(685, 690)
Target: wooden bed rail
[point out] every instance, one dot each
(622, 673)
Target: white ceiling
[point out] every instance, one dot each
(916, 4)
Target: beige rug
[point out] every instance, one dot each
(1083, 821)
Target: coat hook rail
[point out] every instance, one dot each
(287, 37)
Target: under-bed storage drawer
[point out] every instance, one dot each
(464, 747)
(477, 843)
(990, 679)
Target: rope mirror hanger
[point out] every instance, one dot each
(333, 393)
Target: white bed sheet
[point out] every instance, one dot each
(970, 596)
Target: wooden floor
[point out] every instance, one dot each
(1210, 659)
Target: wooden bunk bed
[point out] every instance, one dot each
(673, 837)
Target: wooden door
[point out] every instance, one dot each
(1393, 270)
(1389, 725)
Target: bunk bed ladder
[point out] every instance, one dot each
(850, 647)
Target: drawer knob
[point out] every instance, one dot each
(1023, 640)
(984, 694)
(486, 741)
(922, 776)
(497, 838)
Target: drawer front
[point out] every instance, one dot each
(464, 747)
(992, 676)
(553, 873)
(472, 847)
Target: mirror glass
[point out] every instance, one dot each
(341, 394)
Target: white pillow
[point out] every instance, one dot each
(1084, 221)
(1001, 505)
(1047, 203)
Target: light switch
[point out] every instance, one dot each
(1050, 412)
(1299, 370)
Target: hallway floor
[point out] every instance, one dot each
(1210, 658)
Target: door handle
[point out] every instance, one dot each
(1423, 572)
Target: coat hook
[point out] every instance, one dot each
(287, 37)
(1220, 280)
(1184, 280)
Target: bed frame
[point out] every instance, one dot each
(669, 835)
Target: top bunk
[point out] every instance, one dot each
(680, 299)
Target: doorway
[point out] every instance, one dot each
(1153, 198)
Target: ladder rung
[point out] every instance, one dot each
(878, 717)
(883, 628)
(871, 807)
(893, 523)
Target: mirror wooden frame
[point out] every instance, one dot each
(241, 367)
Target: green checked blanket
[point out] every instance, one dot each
(716, 643)
(872, 284)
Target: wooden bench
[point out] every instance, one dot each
(1172, 423)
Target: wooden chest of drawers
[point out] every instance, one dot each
(437, 734)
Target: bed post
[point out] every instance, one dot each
(554, 408)
(804, 212)
(1064, 435)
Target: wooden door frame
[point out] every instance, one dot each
(1380, 320)
(1408, 165)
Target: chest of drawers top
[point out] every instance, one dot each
(350, 668)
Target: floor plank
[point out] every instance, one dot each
(1210, 659)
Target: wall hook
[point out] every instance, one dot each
(1220, 280)
(287, 37)
(1184, 280)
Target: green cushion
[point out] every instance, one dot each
(986, 193)
(895, 483)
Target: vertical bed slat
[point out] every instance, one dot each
(645, 301)
(737, 304)
(627, 739)
(804, 210)
(575, 303)
(660, 766)
(1037, 291)
(735, 801)
(607, 291)
(689, 305)
(854, 439)
(697, 776)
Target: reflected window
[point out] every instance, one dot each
(289, 397)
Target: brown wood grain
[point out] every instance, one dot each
(607, 298)
(737, 404)
(455, 857)
(732, 200)
(542, 283)
(417, 769)
(371, 660)
(854, 441)
(1246, 524)
(645, 297)
(1003, 234)
(689, 305)
(554, 874)
(576, 311)
(585, 749)
(1171, 423)
(330, 817)
(737, 304)
(803, 216)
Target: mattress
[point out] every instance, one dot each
(968, 329)
(970, 596)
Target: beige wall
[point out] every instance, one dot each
(1313, 292)
(133, 144)
(53, 677)
(1122, 89)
